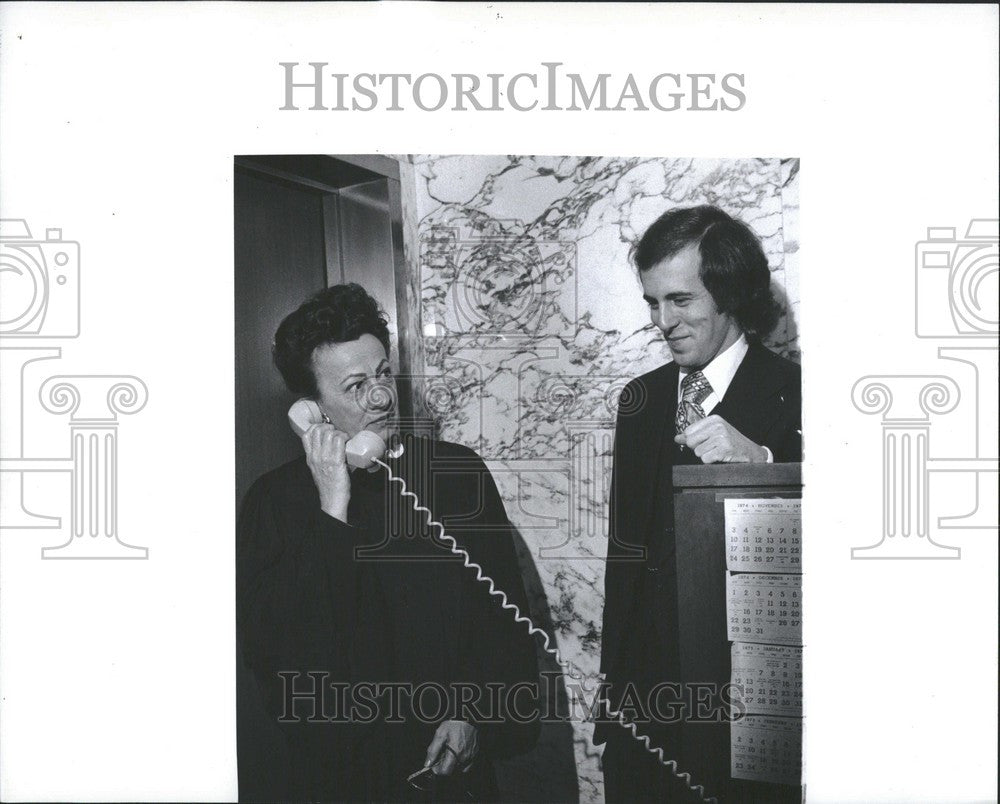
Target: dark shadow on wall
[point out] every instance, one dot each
(784, 338)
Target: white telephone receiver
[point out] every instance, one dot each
(362, 450)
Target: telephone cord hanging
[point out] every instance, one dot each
(571, 670)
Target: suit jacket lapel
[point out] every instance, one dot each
(660, 408)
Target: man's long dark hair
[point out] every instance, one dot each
(733, 265)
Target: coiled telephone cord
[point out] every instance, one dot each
(534, 630)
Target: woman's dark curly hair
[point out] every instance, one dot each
(336, 314)
(733, 265)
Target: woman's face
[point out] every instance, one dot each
(356, 388)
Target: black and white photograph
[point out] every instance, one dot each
(506, 402)
(572, 363)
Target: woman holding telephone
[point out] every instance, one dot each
(392, 672)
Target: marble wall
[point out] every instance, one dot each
(532, 322)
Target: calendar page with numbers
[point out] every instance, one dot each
(766, 749)
(770, 677)
(763, 535)
(763, 607)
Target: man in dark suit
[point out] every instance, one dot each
(724, 398)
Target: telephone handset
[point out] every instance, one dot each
(365, 451)
(362, 450)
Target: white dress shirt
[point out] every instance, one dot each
(719, 373)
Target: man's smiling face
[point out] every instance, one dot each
(685, 312)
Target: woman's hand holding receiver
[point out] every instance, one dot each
(327, 460)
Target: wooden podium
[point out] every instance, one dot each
(704, 647)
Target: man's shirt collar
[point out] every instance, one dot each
(720, 372)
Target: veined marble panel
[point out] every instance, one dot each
(533, 320)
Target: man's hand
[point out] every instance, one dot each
(326, 457)
(455, 744)
(715, 440)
